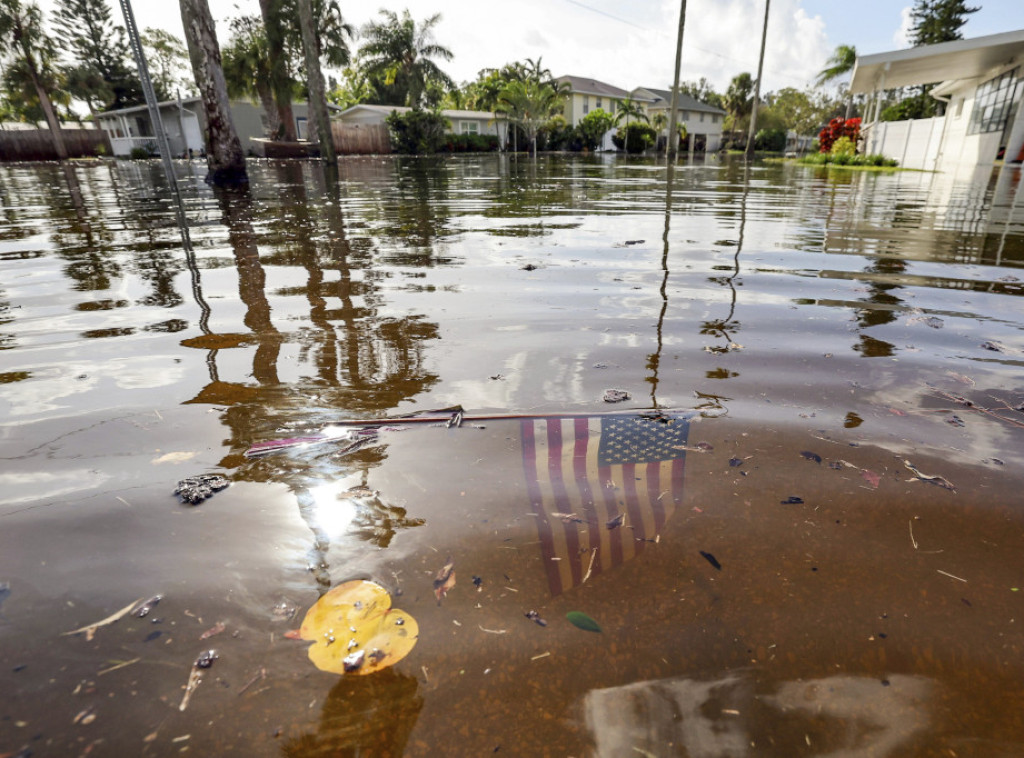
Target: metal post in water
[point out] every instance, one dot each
(147, 90)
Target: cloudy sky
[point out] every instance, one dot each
(633, 44)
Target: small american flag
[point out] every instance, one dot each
(585, 473)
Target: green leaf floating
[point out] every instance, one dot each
(582, 621)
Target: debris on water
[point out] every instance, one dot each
(195, 676)
(283, 611)
(143, 609)
(354, 630)
(615, 396)
(5, 592)
(961, 378)
(600, 365)
(206, 659)
(196, 489)
(635, 242)
(871, 477)
(934, 322)
(529, 267)
(993, 346)
(582, 621)
(90, 629)
(496, 377)
(811, 456)
(535, 617)
(734, 462)
(835, 465)
(444, 580)
(955, 420)
(617, 521)
(936, 480)
(478, 582)
(792, 500)
(712, 560)
(152, 636)
(568, 518)
(258, 676)
(353, 661)
(213, 630)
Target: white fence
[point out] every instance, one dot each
(915, 144)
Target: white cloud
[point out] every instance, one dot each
(902, 36)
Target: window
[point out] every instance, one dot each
(586, 103)
(597, 103)
(469, 127)
(995, 102)
(714, 118)
(685, 115)
(702, 117)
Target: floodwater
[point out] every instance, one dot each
(816, 548)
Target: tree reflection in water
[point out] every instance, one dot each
(359, 362)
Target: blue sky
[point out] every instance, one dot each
(633, 44)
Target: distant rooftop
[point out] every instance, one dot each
(663, 99)
(586, 86)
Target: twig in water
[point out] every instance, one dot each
(542, 655)
(120, 665)
(593, 555)
(912, 540)
(261, 674)
(493, 631)
(951, 576)
(90, 629)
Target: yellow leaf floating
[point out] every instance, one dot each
(355, 630)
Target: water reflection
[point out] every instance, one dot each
(363, 716)
(747, 714)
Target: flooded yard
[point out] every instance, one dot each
(801, 533)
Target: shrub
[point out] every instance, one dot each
(844, 146)
(417, 132)
(593, 127)
(470, 143)
(140, 153)
(770, 139)
(635, 138)
(837, 128)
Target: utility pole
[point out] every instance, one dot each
(673, 117)
(147, 90)
(317, 103)
(749, 153)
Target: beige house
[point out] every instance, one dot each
(704, 122)
(982, 91)
(462, 122)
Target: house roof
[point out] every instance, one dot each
(960, 59)
(387, 109)
(662, 98)
(585, 86)
(189, 101)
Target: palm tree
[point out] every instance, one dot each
(22, 28)
(315, 82)
(247, 67)
(529, 104)
(400, 54)
(842, 62)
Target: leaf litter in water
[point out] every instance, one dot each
(355, 630)
(582, 621)
(444, 580)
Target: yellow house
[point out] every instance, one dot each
(587, 95)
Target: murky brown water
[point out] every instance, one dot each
(781, 582)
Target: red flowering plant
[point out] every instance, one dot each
(837, 128)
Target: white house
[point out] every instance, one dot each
(704, 122)
(462, 122)
(184, 121)
(981, 86)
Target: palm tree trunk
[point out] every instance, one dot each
(271, 12)
(315, 83)
(44, 97)
(223, 150)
